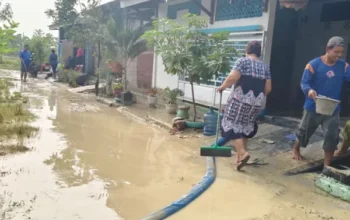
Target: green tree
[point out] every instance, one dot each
(6, 12)
(18, 42)
(89, 29)
(7, 34)
(38, 33)
(124, 44)
(63, 13)
(187, 51)
(40, 44)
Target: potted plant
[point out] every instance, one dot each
(170, 98)
(110, 80)
(117, 89)
(152, 97)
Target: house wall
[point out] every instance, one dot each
(312, 38)
(205, 94)
(132, 73)
(67, 49)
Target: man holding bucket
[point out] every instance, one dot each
(323, 77)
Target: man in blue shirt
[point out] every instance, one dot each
(53, 62)
(323, 76)
(24, 56)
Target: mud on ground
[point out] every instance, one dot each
(89, 161)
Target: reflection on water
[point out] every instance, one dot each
(52, 100)
(88, 164)
(30, 189)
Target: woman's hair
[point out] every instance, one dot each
(53, 51)
(253, 47)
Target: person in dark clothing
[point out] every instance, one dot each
(53, 60)
(70, 63)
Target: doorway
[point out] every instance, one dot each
(300, 36)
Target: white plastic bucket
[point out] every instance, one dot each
(325, 105)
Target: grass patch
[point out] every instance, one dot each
(19, 130)
(12, 148)
(14, 112)
(10, 63)
(14, 118)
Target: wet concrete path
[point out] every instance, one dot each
(91, 162)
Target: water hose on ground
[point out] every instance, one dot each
(196, 191)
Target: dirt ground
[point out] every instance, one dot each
(92, 162)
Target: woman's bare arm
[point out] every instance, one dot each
(231, 79)
(268, 87)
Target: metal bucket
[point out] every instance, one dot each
(325, 105)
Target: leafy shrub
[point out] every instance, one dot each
(63, 76)
(69, 76)
(72, 78)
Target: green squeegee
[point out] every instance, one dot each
(215, 150)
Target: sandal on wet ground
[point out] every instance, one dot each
(243, 162)
(257, 162)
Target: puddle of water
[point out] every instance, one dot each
(28, 187)
(90, 162)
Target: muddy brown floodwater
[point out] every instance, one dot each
(91, 162)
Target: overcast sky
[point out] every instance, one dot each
(30, 14)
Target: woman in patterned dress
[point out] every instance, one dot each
(252, 82)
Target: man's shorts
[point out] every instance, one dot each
(24, 68)
(309, 124)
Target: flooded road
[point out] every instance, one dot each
(91, 162)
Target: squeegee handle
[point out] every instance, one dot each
(218, 120)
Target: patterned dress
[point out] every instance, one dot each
(246, 100)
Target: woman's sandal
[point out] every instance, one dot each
(243, 162)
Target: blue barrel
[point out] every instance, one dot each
(210, 121)
(221, 116)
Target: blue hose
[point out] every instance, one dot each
(196, 191)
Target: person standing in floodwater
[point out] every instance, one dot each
(24, 56)
(322, 76)
(53, 62)
(252, 83)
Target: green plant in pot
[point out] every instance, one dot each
(117, 89)
(170, 98)
(152, 97)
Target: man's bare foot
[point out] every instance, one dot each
(296, 154)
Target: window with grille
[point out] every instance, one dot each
(238, 9)
(240, 46)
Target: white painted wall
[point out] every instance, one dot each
(205, 94)
(312, 39)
